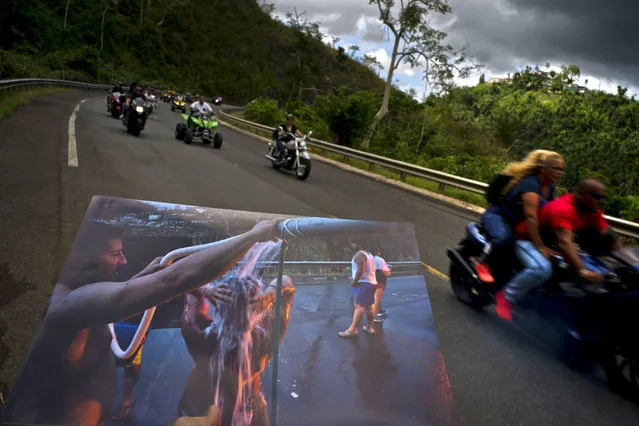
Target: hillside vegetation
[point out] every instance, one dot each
(231, 48)
(475, 131)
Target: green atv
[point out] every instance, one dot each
(203, 128)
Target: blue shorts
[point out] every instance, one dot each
(364, 294)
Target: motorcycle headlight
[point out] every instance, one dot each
(139, 109)
(302, 143)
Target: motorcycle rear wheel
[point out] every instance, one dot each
(465, 291)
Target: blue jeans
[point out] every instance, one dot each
(537, 270)
(497, 228)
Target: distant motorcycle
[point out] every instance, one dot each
(152, 102)
(114, 105)
(296, 156)
(134, 118)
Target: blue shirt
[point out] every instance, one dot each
(513, 208)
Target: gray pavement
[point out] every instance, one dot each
(499, 376)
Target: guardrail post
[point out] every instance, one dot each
(442, 187)
(402, 176)
(371, 166)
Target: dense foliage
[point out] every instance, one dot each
(475, 131)
(231, 48)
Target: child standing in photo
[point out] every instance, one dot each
(382, 271)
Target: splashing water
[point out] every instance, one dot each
(231, 328)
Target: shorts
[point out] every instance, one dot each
(364, 294)
(125, 333)
(381, 280)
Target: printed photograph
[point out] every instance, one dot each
(167, 314)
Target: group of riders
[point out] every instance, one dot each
(282, 134)
(525, 217)
(198, 108)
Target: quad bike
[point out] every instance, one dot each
(178, 104)
(202, 127)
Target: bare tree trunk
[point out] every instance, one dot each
(141, 12)
(104, 12)
(301, 79)
(383, 110)
(421, 135)
(66, 13)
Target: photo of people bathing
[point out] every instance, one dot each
(166, 314)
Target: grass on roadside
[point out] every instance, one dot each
(12, 100)
(428, 185)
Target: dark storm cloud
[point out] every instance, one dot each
(598, 36)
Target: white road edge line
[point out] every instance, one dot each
(73, 148)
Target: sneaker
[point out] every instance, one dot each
(503, 307)
(379, 318)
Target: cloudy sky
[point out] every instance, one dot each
(505, 35)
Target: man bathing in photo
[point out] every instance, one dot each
(69, 376)
(222, 325)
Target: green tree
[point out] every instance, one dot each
(416, 42)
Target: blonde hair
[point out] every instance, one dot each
(528, 166)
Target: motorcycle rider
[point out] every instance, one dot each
(119, 88)
(199, 108)
(135, 91)
(531, 188)
(578, 217)
(283, 135)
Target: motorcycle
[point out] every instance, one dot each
(135, 116)
(587, 324)
(114, 106)
(152, 102)
(217, 100)
(296, 155)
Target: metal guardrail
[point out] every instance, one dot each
(49, 82)
(334, 264)
(623, 227)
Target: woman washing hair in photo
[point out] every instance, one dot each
(532, 185)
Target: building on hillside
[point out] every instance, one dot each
(542, 74)
(498, 80)
(575, 88)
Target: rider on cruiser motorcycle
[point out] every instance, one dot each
(282, 135)
(198, 108)
(532, 186)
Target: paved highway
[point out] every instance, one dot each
(499, 376)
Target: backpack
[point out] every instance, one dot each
(496, 188)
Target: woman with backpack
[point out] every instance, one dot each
(531, 185)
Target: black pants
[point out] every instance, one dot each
(281, 147)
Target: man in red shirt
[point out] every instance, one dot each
(579, 213)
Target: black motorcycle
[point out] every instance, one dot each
(587, 324)
(296, 156)
(135, 116)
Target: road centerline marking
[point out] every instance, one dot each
(72, 147)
